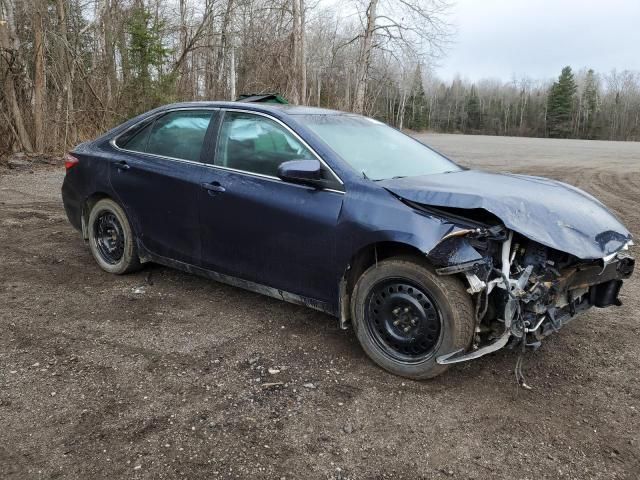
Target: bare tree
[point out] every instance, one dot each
(415, 28)
(364, 61)
(39, 77)
(11, 69)
(67, 67)
(223, 48)
(298, 62)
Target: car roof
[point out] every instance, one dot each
(261, 107)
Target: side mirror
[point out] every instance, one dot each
(300, 171)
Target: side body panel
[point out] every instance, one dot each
(372, 215)
(270, 232)
(326, 307)
(160, 197)
(89, 177)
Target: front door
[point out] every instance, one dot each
(260, 228)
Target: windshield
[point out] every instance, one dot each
(374, 149)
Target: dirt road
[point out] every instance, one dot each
(161, 374)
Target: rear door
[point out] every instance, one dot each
(260, 228)
(156, 175)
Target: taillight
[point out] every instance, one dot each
(70, 161)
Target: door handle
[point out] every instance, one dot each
(213, 187)
(122, 165)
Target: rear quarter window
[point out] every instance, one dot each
(137, 140)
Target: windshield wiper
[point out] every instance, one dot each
(381, 179)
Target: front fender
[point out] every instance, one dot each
(373, 215)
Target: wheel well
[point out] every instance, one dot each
(361, 261)
(86, 210)
(376, 252)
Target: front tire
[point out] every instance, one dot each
(111, 238)
(405, 316)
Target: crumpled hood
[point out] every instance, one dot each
(552, 213)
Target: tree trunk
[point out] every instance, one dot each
(38, 85)
(302, 56)
(232, 74)
(224, 32)
(9, 43)
(110, 57)
(347, 93)
(10, 92)
(183, 81)
(123, 49)
(364, 61)
(209, 61)
(401, 108)
(296, 38)
(99, 59)
(523, 107)
(65, 64)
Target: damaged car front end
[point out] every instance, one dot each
(523, 289)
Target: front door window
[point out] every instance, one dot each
(256, 144)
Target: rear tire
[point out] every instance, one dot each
(405, 316)
(111, 238)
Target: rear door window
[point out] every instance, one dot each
(178, 134)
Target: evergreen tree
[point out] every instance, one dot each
(560, 105)
(416, 111)
(147, 56)
(474, 114)
(590, 102)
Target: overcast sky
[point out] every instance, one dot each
(536, 38)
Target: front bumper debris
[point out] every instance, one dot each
(532, 296)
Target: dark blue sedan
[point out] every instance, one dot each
(431, 263)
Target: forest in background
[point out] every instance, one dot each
(71, 69)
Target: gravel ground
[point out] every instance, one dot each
(162, 374)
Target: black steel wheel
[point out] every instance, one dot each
(111, 238)
(403, 319)
(405, 316)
